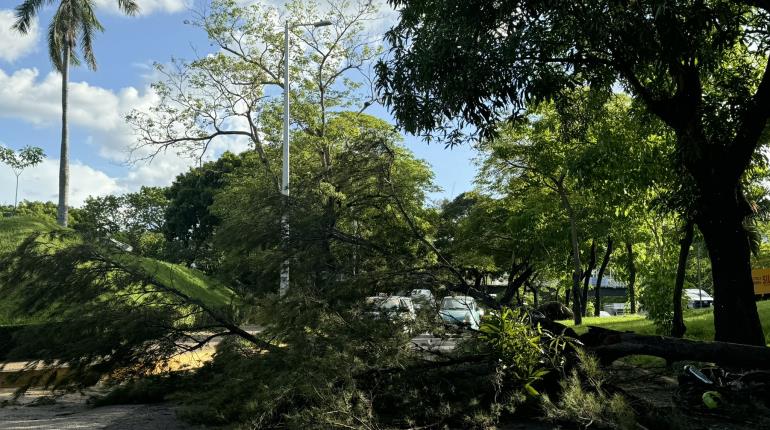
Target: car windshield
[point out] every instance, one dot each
(456, 303)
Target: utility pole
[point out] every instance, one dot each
(284, 286)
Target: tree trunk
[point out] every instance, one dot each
(631, 276)
(576, 305)
(609, 345)
(535, 299)
(512, 272)
(566, 297)
(16, 197)
(515, 285)
(599, 276)
(587, 275)
(678, 328)
(477, 279)
(64, 167)
(720, 220)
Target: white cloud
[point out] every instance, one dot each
(147, 7)
(42, 183)
(100, 112)
(14, 45)
(23, 95)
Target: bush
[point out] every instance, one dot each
(657, 299)
(584, 401)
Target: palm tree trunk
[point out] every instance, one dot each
(64, 168)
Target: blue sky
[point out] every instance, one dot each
(100, 140)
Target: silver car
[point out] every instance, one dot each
(423, 298)
(461, 310)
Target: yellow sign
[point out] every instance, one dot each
(761, 278)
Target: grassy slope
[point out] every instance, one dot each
(191, 282)
(700, 323)
(188, 281)
(14, 230)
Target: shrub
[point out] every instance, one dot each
(584, 401)
(657, 299)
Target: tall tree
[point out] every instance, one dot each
(74, 22)
(701, 67)
(18, 161)
(231, 93)
(541, 152)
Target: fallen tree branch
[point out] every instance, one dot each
(610, 345)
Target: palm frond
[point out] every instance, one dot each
(56, 44)
(87, 25)
(73, 22)
(25, 12)
(129, 7)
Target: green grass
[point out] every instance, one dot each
(13, 230)
(191, 282)
(188, 281)
(700, 323)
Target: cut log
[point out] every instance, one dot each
(610, 345)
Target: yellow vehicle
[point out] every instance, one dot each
(761, 278)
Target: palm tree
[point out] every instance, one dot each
(73, 23)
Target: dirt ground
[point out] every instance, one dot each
(37, 410)
(656, 389)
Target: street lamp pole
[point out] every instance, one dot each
(285, 165)
(284, 286)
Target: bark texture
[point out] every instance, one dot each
(735, 312)
(610, 345)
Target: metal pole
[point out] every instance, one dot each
(284, 287)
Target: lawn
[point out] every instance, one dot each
(13, 230)
(700, 323)
(194, 284)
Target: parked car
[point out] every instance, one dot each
(423, 298)
(391, 307)
(461, 310)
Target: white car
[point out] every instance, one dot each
(392, 307)
(422, 297)
(461, 310)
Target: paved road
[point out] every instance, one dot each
(71, 412)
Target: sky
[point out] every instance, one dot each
(100, 140)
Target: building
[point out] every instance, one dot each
(610, 287)
(697, 298)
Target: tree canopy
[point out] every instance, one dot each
(701, 67)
